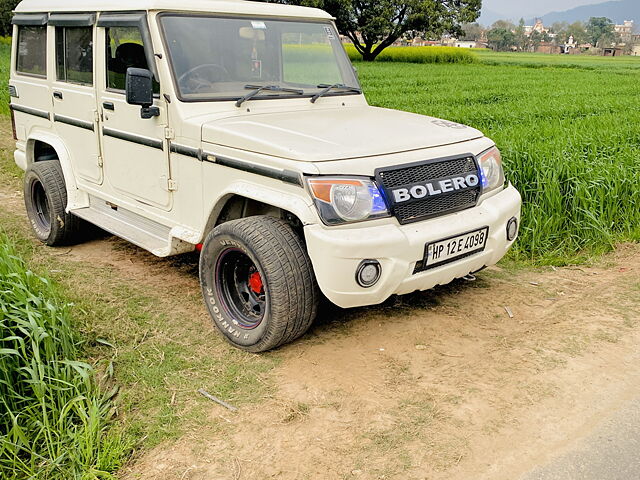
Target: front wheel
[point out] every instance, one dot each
(258, 283)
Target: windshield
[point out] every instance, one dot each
(216, 58)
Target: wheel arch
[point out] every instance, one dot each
(42, 145)
(255, 200)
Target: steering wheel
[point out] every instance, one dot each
(200, 78)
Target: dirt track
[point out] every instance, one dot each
(442, 385)
(437, 385)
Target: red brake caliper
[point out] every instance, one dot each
(255, 282)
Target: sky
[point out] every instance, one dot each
(528, 8)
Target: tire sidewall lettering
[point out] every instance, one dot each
(229, 326)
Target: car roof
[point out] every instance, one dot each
(232, 7)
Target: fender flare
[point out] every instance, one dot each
(75, 198)
(299, 205)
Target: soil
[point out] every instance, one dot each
(481, 379)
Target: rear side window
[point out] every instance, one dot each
(74, 54)
(32, 51)
(125, 49)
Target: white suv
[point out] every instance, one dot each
(240, 129)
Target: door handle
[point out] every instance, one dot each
(109, 106)
(58, 95)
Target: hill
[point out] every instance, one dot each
(489, 16)
(618, 11)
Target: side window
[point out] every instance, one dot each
(125, 49)
(74, 54)
(32, 51)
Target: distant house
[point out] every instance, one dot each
(538, 27)
(549, 48)
(569, 47)
(612, 52)
(625, 30)
(466, 44)
(635, 51)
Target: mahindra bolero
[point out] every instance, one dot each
(240, 130)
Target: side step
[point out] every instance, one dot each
(132, 227)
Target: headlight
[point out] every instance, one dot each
(491, 172)
(345, 200)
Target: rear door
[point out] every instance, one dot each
(29, 88)
(135, 154)
(74, 93)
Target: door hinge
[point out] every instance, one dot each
(100, 162)
(96, 116)
(169, 134)
(172, 185)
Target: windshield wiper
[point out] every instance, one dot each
(257, 90)
(335, 86)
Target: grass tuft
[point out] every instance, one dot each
(54, 419)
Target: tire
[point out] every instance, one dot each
(258, 283)
(45, 198)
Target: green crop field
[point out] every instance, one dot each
(569, 130)
(568, 127)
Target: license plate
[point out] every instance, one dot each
(453, 248)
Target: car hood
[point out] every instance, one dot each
(319, 135)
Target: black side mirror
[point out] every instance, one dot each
(139, 87)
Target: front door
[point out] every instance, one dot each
(74, 96)
(136, 158)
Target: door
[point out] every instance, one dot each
(29, 88)
(135, 152)
(74, 95)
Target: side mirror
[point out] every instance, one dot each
(139, 88)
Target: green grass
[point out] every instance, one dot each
(540, 60)
(569, 138)
(5, 70)
(419, 55)
(54, 418)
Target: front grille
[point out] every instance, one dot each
(430, 206)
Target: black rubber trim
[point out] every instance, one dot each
(186, 151)
(286, 176)
(30, 19)
(121, 19)
(72, 19)
(73, 122)
(13, 91)
(30, 111)
(128, 137)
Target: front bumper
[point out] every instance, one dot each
(336, 253)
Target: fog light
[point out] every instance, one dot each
(512, 229)
(368, 273)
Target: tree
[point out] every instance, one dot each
(521, 36)
(501, 39)
(600, 31)
(560, 31)
(6, 9)
(578, 31)
(373, 25)
(472, 32)
(503, 25)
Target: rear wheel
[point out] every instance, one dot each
(258, 283)
(45, 198)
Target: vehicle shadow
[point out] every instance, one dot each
(331, 317)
